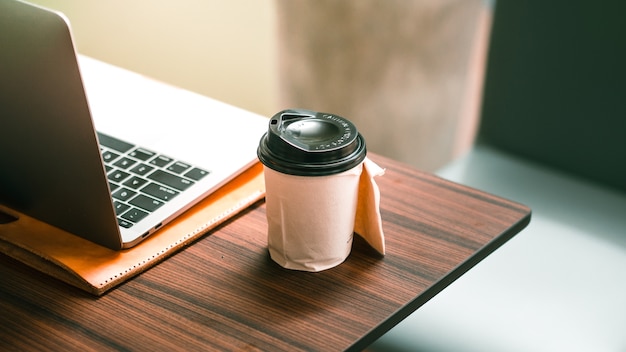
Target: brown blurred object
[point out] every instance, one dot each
(407, 73)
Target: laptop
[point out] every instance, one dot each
(105, 156)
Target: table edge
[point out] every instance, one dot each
(440, 285)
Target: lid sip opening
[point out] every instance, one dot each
(308, 143)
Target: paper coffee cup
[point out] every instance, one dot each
(313, 231)
(313, 162)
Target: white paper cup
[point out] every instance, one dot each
(311, 219)
(313, 162)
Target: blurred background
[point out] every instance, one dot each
(408, 73)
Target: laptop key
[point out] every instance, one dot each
(196, 174)
(142, 169)
(134, 215)
(124, 163)
(109, 156)
(118, 175)
(161, 160)
(135, 182)
(123, 194)
(114, 143)
(178, 167)
(120, 207)
(171, 180)
(160, 192)
(124, 223)
(142, 154)
(147, 203)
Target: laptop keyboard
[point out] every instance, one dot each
(141, 181)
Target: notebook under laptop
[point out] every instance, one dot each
(165, 149)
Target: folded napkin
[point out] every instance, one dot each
(97, 269)
(367, 222)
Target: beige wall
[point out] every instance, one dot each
(221, 49)
(408, 73)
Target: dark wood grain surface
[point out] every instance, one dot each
(224, 292)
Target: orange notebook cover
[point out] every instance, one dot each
(97, 269)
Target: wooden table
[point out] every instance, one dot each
(224, 292)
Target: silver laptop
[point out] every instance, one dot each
(104, 155)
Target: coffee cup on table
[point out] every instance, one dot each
(312, 164)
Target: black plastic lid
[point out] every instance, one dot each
(309, 143)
